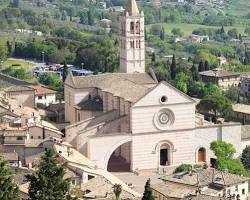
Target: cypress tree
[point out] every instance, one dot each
(222, 30)
(201, 67)
(148, 194)
(206, 65)
(195, 73)
(48, 181)
(173, 68)
(8, 188)
(162, 34)
(65, 71)
(153, 57)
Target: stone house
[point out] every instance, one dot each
(203, 184)
(222, 78)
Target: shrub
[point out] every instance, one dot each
(15, 65)
(183, 168)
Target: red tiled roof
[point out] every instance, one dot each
(40, 90)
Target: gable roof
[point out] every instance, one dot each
(40, 90)
(170, 86)
(130, 87)
(206, 177)
(219, 73)
(18, 88)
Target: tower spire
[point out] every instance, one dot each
(132, 8)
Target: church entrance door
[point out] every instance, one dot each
(163, 157)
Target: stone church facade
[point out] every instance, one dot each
(129, 121)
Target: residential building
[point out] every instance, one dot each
(193, 38)
(241, 113)
(44, 95)
(202, 185)
(222, 78)
(24, 95)
(12, 158)
(245, 86)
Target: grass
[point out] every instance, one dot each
(187, 29)
(238, 7)
(18, 63)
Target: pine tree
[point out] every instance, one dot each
(148, 194)
(206, 65)
(8, 188)
(48, 182)
(173, 68)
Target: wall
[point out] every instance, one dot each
(25, 98)
(46, 99)
(145, 154)
(37, 133)
(228, 133)
(144, 111)
(72, 97)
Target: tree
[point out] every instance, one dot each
(162, 34)
(48, 181)
(206, 65)
(201, 66)
(195, 73)
(233, 33)
(8, 188)
(222, 30)
(153, 57)
(222, 149)
(233, 93)
(225, 161)
(3, 51)
(84, 18)
(217, 105)
(65, 71)
(247, 30)
(182, 80)
(90, 16)
(148, 194)
(245, 157)
(173, 68)
(177, 32)
(117, 189)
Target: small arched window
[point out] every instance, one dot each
(132, 27)
(202, 155)
(137, 27)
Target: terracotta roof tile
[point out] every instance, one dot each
(40, 90)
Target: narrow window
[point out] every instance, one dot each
(132, 27)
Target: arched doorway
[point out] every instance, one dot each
(202, 155)
(120, 159)
(165, 154)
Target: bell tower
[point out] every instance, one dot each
(132, 44)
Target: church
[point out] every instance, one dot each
(129, 121)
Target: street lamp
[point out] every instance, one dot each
(82, 65)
